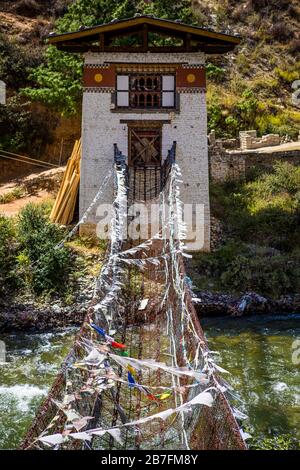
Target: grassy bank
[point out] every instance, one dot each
(260, 250)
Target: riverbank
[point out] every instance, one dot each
(31, 317)
(28, 318)
(210, 304)
(26, 314)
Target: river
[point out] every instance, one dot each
(32, 361)
(256, 350)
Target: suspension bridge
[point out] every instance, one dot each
(140, 374)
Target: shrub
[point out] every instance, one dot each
(265, 210)
(258, 4)
(214, 116)
(272, 4)
(289, 75)
(285, 178)
(238, 267)
(214, 72)
(50, 266)
(293, 11)
(274, 441)
(281, 32)
(294, 46)
(16, 193)
(60, 7)
(7, 254)
(271, 275)
(237, 115)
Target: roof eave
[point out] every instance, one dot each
(167, 24)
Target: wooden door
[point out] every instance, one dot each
(144, 147)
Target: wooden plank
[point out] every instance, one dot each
(60, 216)
(68, 213)
(64, 206)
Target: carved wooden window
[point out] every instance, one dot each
(146, 91)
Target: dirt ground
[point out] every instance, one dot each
(15, 24)
(38, 187)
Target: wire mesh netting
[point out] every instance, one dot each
(140, 374)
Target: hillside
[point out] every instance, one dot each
(249, 88)
(26, 126)
(252, 87)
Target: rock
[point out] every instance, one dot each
(56, 308)
(217, 235)
(218, 304)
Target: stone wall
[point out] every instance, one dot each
(267, 160)
(226, 166)
(249, 140)
(235, 165)
(103, 126)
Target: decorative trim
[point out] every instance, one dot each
(191, 90)
(96, 66)
(140, 123)
(146, 68)
(98, 90)
(158, 111)
(192, 66)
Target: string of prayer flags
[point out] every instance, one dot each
(130, 379)
(204, 398)
(108, 338)
(143, 389)
(139, 364)
(151, 396)
(164, 396)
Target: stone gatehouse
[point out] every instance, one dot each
(144, 90)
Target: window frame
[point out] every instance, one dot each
(131, 92)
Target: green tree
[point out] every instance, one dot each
(15, 62)
(58, 80)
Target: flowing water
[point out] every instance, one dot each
(31, 363)
(256, 350)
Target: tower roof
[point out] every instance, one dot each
(142, 34)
